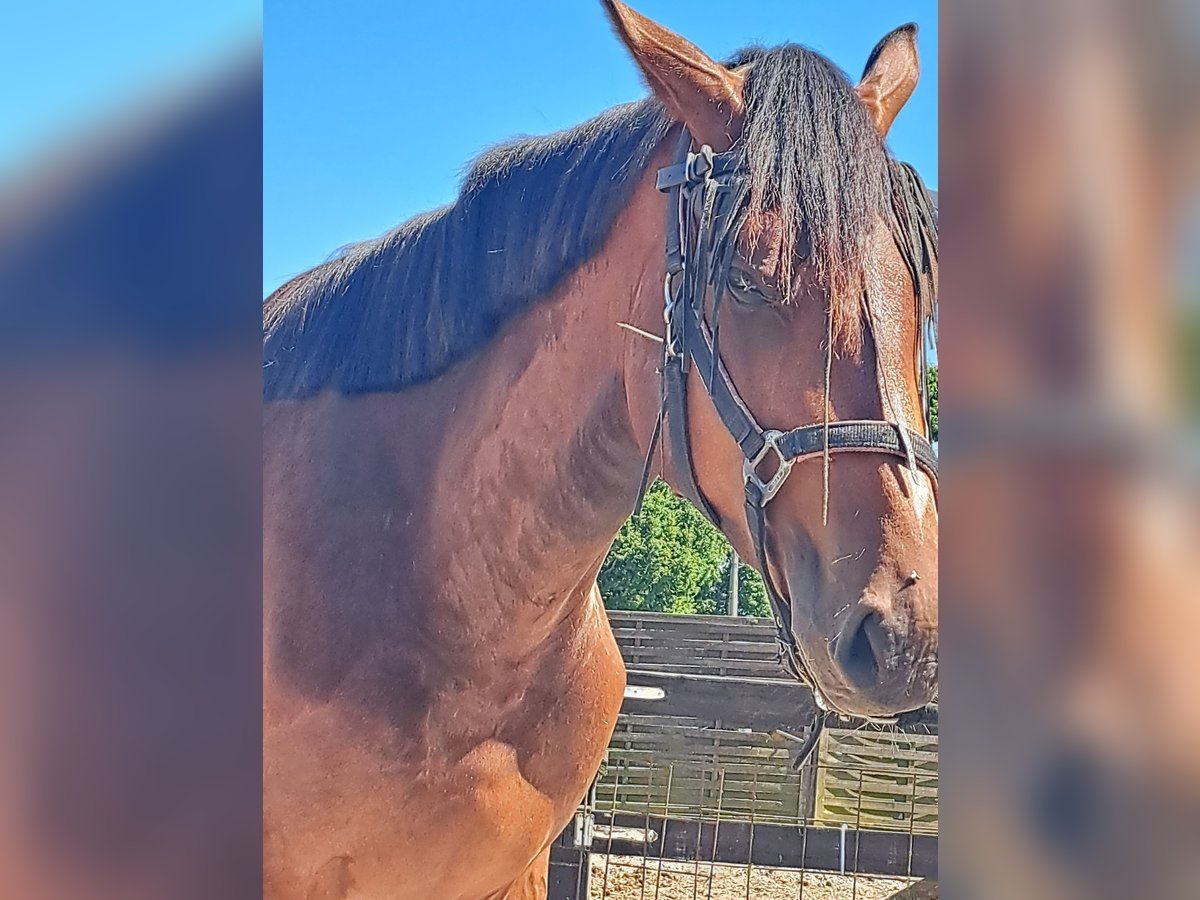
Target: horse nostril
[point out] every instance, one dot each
(867, 648)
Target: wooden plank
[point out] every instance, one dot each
(699, 742)
(864, 780)
(845, 742)
(883, 782)
(699, 654)
(698, 696)
(761, 705)
(675, 724)
(708, 741)
(649, 619)
(680, 651)
(701, 739)
(733, 772)
(735, 644)
(733, 670)
(900, 799)
(702, 775)
(699, 657)
(765, 790)
(692, 626)
(668, 631)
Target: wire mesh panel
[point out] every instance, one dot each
(752, 768)
(700, 847)
(691, 803)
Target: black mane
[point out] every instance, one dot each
(400, 310)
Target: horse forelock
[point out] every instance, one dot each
(819, 166)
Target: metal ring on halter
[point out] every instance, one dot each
(768, 489)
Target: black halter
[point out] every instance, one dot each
(708, 204)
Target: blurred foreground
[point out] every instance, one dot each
(1070, 553)
(130, 624)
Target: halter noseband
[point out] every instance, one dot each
(708, 204)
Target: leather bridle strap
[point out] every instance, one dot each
(846, 436)
(708, 200)
(756, 444)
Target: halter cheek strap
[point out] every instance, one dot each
(708, 202)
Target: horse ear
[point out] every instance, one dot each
(697, 91)
(890, 76)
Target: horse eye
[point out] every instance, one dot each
(745, 289)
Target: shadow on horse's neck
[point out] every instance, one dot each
(539, 460)
(416, 526)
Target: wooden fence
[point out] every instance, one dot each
(701, 768)
(738, 647)
(868, 779)
(878, 780)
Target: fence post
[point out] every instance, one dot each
(734, 564)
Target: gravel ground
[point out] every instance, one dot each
(681, 881)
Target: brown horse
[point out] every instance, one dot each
(459, 414)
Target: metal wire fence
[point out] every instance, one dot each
(848, 824)
(699, 797)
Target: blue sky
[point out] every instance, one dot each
(66, 66)
(373, 109)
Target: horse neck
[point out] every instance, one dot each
(540, 460)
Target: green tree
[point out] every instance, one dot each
(670, 559)
(752, 595)
(663, 560)
(931, 381)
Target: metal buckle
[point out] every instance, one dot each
(699, 165)
(669, 317)
(768, 489)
